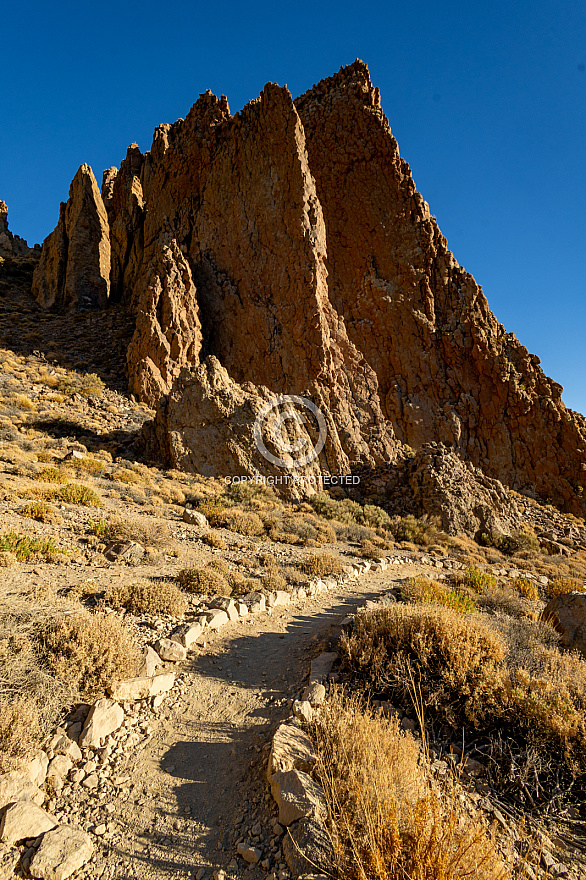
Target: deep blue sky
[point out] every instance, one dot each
(487, 102)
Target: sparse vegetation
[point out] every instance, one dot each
(423, 589)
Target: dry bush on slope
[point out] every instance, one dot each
(385, 821)
(145, 530)
(89, 651)
(147, 597)
(473, 676)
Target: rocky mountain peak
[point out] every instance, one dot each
(290, 244)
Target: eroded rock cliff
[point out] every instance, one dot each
(287, 247)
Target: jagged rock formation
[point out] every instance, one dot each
(11, 245)
(289, 243)
(435, 483)
(74, 269)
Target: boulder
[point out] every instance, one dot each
(104, 718)
(307, 848)
(24, 820)
(321, 667)
(170, 650)
(62, 852)
(567, 615)
(188, 634)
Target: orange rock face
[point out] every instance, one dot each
(289, 244)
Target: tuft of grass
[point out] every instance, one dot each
(21, 401)
(422, 589)
(25, 547)
(273, 581)
(147, 598)
(88, 652)
(479, 580)
(525, 588)
(322, 564)
(75, 493)
(386, 820)
(85, 465)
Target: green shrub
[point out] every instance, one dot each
(75, 493)
(25, 547)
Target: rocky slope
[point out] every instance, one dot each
(294, 231)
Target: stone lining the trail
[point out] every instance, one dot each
(88, 750)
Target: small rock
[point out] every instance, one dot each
(249, 853)
(302, 710)
(291, 749)
(170, 651)
(150, 662)
(142, 688)
(194, 518)
(315, 694)
(104, 718)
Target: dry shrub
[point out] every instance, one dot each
(20, 730)
(147, 597)
(85, 465)
(215, 540)
(144, 530)
(298, 528)
(203, 581)
(76, 383)
(89, 651)
(322, 564)
(272, 580)
(21, 401)
(170, 492)
(241, 521)
(422, 589)
(125, 475)
(525, 588)
(417, 531)
(292, 575)
(457, 659)
(385, 821)
(507, 600)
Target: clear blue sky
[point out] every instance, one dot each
(487, 102)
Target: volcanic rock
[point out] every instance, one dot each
(11, 245)
(74, 269)
(286, 251)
